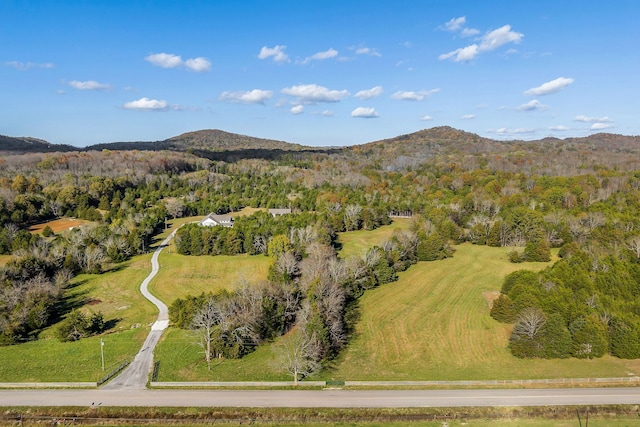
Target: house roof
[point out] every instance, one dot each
(218, 219)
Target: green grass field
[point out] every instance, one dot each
(434, 324)
(182, 275)
(116, 295)
(356, 243)
(180, 358)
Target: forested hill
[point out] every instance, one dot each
(446, 146)
(211, 143)
(437, 146)
(20, 145)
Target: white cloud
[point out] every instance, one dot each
(198, 64)
(313, 93)
(506, 131)
(469, 32)
(533, 105)
(327, 113)
(552, 86)
(365, 113)
(321, 56)
(24, 66)
(490, 41)
(468, 116)
(462, 54)
(88, 85)
(588, 119)
(164, 60)
(368, 51)
(255, 96)
(559, 128)
(297, 109)
(277, 52)
(499, 37)
(426, 118)
(146, 104)
(414, 96)
(374, 92)
(169, 60)
(455, 23)
(601, 126)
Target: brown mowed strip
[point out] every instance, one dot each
(58, 225)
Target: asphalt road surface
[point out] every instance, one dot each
(136, 375)
(321, 398)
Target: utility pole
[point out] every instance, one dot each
(102, 352)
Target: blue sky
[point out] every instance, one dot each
(317, 73)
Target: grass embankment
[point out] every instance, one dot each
(611, 415)
(116, 295)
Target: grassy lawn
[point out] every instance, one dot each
(181, 359)
(50, 360)
(182, 275)
(434, 324)
(116, 295)
(356, 243)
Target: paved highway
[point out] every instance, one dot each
(321, 398)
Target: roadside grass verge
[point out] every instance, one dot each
(434, 324)
(558, 416)
(356, 243)
(180, 358)
(49, 360)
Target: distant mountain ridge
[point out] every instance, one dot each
(417, 146)
(31, 145)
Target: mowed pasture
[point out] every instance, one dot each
(356, 243)
(434, 324)
(182, 275)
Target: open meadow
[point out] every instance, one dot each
(116, 295)
(434, 324)
(431, 324)
(356, 243)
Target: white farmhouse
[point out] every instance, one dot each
(212, 220)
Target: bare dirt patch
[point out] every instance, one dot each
(490, 297)
(58, 225)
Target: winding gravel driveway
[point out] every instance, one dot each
(136, 375)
